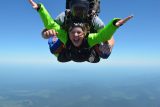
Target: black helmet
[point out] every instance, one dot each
(79, 8)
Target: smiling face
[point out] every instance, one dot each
(76, 36)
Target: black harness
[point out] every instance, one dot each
(80, 54)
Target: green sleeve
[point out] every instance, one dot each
(104, 34)
(49, 23)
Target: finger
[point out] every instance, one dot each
(34, 4)
(47, 33)
(35, 7)
(53, 32)
(44, 35)
(50, 32)
(31, 1)
(128, 18)
(122, 21)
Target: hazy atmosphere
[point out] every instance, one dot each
(30, 76)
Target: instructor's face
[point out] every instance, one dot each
(76, 36)
(79, 11)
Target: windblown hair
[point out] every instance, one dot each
(81, 25)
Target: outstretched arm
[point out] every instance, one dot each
(107, 32)
(48, 21)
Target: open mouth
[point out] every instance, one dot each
(76, 39)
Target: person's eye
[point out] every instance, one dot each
(79, 32)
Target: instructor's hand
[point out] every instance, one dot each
(122, 21)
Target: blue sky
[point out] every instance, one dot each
(137, 42)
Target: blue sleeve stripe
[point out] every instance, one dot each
(54, 45)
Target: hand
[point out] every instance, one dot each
(48, 33)
(34, 4)
(122, 21)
